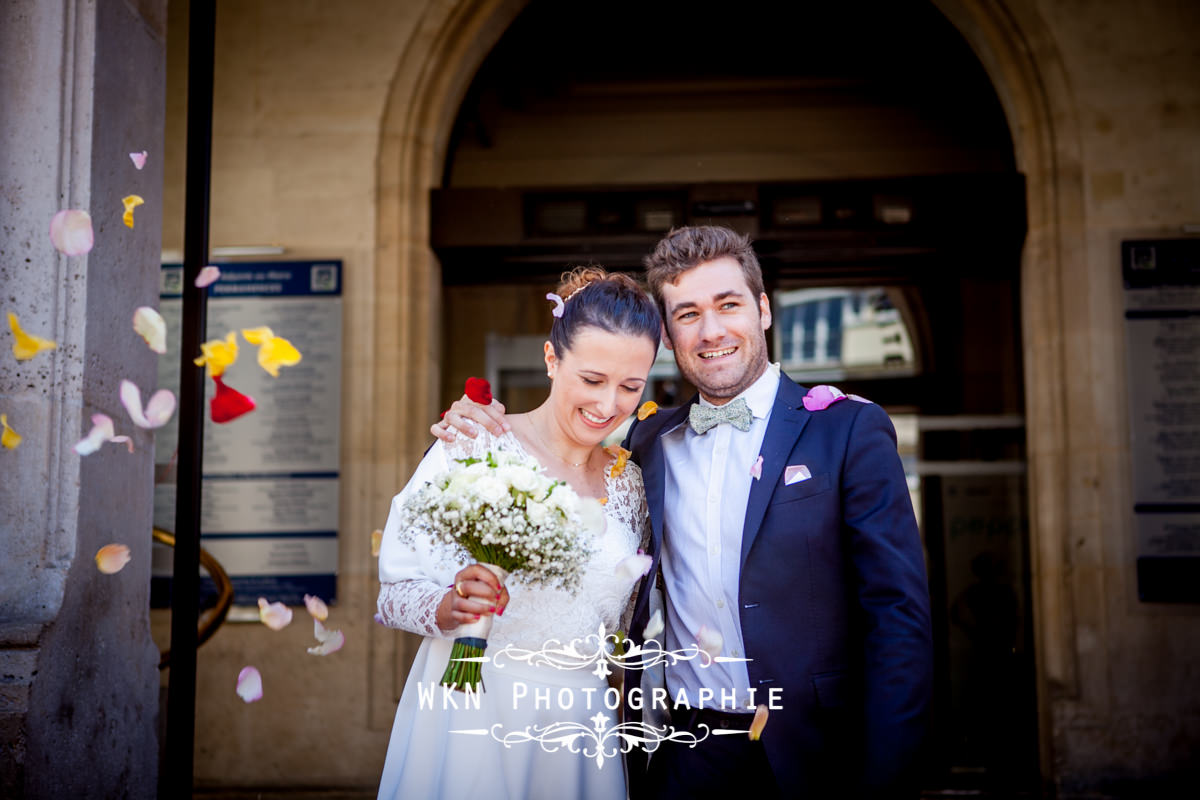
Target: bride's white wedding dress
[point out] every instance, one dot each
(428, 754)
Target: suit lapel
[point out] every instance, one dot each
(788, 418)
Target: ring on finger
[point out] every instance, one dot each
(458, 589)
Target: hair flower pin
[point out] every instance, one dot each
(559, 304)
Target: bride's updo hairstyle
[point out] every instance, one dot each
(610, 301)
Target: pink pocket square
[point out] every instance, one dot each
(795, 474)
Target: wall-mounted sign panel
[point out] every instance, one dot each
(1162, 336)
(269, 506)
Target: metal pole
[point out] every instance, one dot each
(177, 777)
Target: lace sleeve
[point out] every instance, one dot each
(627, 496)
(412, 581)
(412, 606)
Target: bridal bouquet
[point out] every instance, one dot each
(506, 513)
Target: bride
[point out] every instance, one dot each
(443, 745)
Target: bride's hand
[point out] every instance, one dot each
(476, 592)
(465, 414)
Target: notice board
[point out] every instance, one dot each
(270, 487)
(1162, 335)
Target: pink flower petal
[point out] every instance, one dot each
(316, 606)
(558, 304)
(249, 685)
(822, 397)
(139, 159)
(101, 432)
(275, 616)
(150, 325)
(330, 641)
(756, 468)
(207, 276)
(655, 626)
(633, 567)
(111, 558)
(71, 232)
(158, 410)
(710, 642)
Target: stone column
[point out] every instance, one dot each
(82, 85)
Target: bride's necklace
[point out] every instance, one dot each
(551, 450)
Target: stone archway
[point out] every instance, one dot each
(1014, 46)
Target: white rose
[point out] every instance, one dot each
(491, 490)
(536, 512)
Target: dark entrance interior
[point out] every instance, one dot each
(863, 149)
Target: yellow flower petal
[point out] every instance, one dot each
(257, 335)
(760, 722)
(273, 351)
(26, 345)
(218, 354)
(112, 558)
(376, 542)
(647, 409)
(622, 456)
(131, 202)
(9, 438)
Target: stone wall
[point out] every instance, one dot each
(82, 86)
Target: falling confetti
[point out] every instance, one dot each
(376, 542)
(275, 616)
(71, 232)
(158, 410)
(647, 409)
(101, 432)
(760, 722)
(249, 685)
(131, 202)
(633, 567)
(655, 626)
(218, 354)
(139, 159)
(622, 455)
(316, 607)
(150, 325)
(273, 351)
(330, 641)
(207, 276)
(756, 468)
(710, 642)
(26, 345)
(10, 438)
(227, 403)
(112, 558)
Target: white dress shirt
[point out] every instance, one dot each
(708, 480)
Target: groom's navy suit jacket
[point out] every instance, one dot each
(833, 599)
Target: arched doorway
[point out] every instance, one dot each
(425, 99)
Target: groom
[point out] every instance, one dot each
(789, 532)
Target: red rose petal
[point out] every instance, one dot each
(479, 390)
(228, 404)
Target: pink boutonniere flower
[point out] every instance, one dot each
(822, 397)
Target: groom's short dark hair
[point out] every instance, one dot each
(686, 248)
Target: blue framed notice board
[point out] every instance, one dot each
(270, 489)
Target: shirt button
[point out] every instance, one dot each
(720, 603)
(736, 654)
(712, 550)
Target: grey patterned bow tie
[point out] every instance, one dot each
(737, 414)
